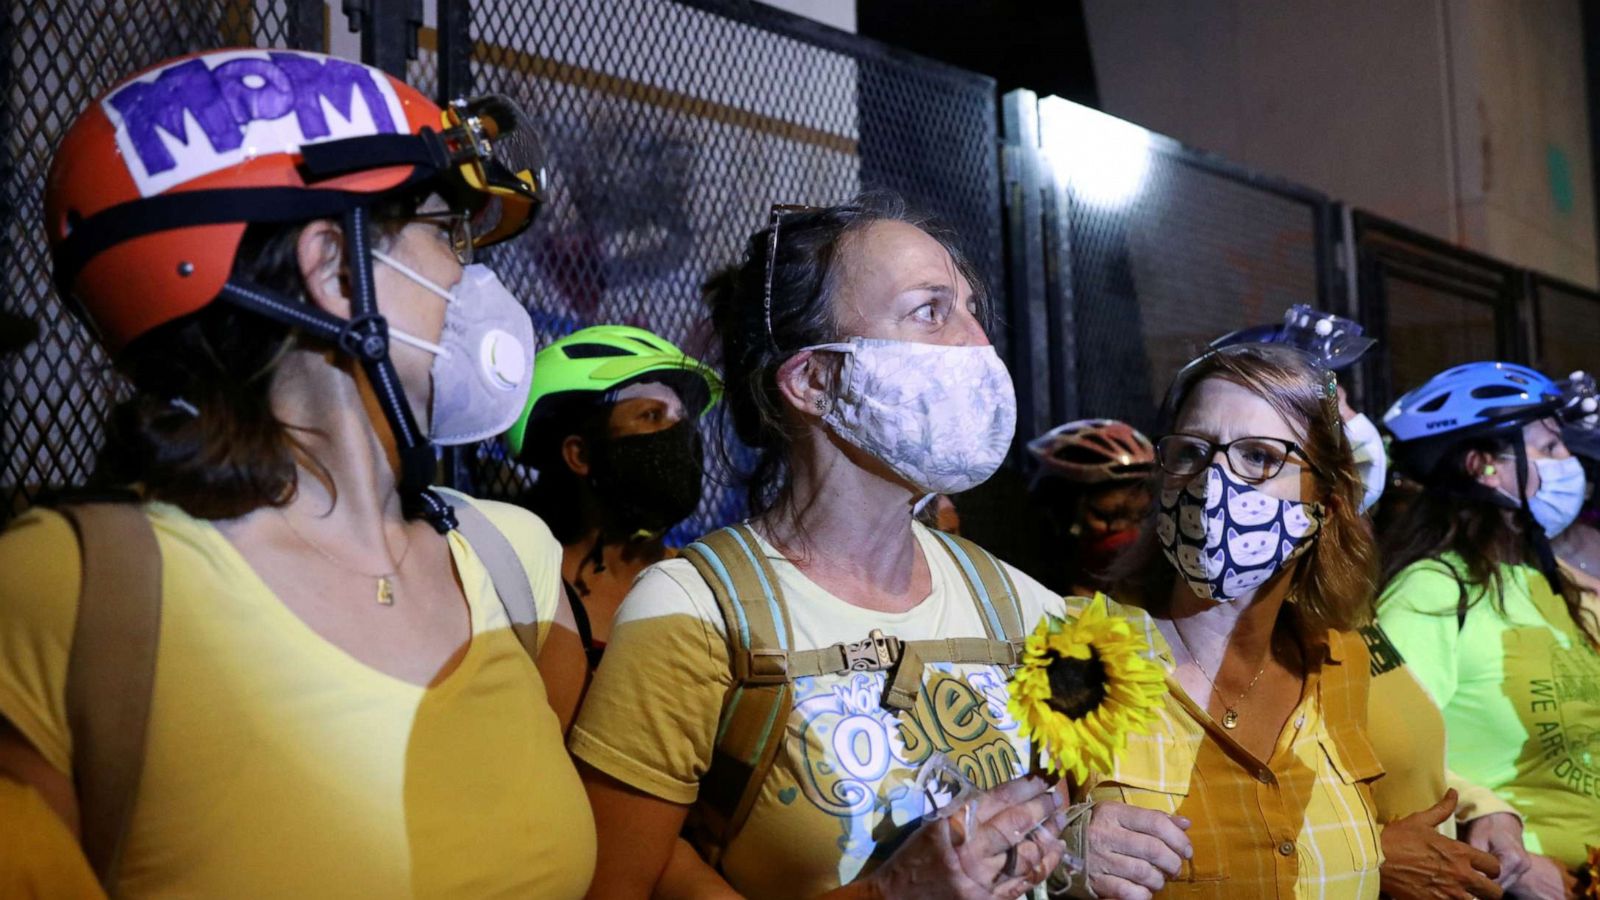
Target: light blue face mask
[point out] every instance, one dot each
(1560, 496)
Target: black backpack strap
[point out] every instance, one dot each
(580, 618)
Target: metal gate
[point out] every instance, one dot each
(1432, 305)
(1129, 252)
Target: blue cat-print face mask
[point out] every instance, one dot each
(1226, 538)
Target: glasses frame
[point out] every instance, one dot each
(774, 221)
(1290, 448)
(457, 227)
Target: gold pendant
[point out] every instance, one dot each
(1230, 719)
(386, 594)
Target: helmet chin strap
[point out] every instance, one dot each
(364, 336)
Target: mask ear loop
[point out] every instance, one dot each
(1541, 541)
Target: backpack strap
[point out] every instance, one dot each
(991, 587)
(750, 731)
(111, 672)
(998, 607)
(506, 572)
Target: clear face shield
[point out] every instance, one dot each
(498, 160)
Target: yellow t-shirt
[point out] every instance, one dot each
(279, 766)
(39, 858)
(841, 794)
(1407, 733)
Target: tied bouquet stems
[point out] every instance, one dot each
(1083, 686)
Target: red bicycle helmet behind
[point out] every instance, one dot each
(1093, 451)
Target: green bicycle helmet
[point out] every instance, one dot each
(584, 367)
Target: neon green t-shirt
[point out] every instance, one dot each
(1519, 686)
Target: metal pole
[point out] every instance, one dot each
(1030, 351)
(388, 31)
(455, 49)
(307, 31)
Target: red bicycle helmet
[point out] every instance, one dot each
(1091, 451)
(154, 184)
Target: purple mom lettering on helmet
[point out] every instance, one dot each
(285, 91)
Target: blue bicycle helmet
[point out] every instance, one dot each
(1467, 401)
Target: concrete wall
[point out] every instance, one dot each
(1463, 118)
(841, 14)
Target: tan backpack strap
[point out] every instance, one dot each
(750, 731)
(879, 651)
(111, 672)
(505, 569)
(991, 587)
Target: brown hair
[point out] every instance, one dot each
(199, 431)
(1335, 580)
(1454, 514)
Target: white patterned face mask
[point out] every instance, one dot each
(941, 417)
(1226, 538)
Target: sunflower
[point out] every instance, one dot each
(1084, 684)
(1589, 876)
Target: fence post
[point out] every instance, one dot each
(1025, 260)
(388, 31)
(307, 25)
(454, 49)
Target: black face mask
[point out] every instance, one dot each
(648, 483)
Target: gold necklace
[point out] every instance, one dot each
(385, 580)
(1230, 712)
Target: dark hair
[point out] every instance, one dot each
(557, 496)
(805, 279)
(199, 431)
(1334, 581)
(1452, 515)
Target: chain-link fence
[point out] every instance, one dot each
(58, 56)
(672, 127)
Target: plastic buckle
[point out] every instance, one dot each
(766, 667)
(874, 654)
(365, 337)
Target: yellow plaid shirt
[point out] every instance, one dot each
(1302, 825)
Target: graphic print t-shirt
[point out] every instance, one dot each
(841, 796)
(1520, 692)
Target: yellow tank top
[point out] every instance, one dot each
(278, 765)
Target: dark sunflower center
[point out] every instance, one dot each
(1077, 686)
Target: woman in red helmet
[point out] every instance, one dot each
(326, 666)
(1092, 485)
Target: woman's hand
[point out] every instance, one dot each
(1419, 862)
(1501, 834)
(1013, 844)
(1132, 851)
(1546, 879)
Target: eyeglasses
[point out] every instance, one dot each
(457, 227)
(774, 219)
(1254, 459)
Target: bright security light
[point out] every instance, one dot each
(1102, 159)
